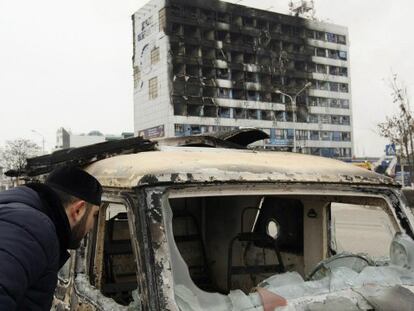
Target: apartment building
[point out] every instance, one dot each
(208, 66)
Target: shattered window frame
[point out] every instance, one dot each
(310, 33)
(334, 54)
(335, 103)
(97, 250)
(179, 130)
(343, 55)
(137, 76)
(313, 101)
(323, 101)
(350, 196)
(313, 118)
(313, 135)
(162, 19)
(225, 112)
(346, 120)
(153, 88)
(320, 35)
(321, 68)
(326, 135)
(344, 87)
(341, 39)
(345, 103)
(320, 52)
(322, 85)
(331, 37)
(155, 55)
(346, 136)
(336, 136)
(302, 134)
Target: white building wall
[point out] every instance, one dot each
(149, 113)
(340, 30)
(84, 140)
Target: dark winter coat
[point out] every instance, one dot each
(34, 232)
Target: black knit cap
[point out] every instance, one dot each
(76, 182)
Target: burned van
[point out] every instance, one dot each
(203, 227)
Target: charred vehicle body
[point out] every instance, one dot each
(204, 224)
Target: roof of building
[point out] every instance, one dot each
(212, 165)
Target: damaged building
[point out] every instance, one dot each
(213, 66)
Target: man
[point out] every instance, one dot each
(38, 224)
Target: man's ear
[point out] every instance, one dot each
(75, 211)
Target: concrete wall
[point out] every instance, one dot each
(148, 112)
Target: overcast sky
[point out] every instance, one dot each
(68, 63)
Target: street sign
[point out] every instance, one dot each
(390, 150)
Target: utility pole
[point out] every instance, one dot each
(293, 103)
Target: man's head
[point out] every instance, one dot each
(80, 194)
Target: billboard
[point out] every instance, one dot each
(152, 132)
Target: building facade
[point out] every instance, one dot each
(65, 139)
(204, 66)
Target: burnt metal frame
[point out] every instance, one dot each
(149, 212)
(151, 285)
(83, 155)
(153, 297)
(97, 249)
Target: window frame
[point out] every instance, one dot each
(153, 88)
(155, 55)
(96, 241)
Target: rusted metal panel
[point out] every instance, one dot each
(161, 258)
(99, 250)
(142, 235)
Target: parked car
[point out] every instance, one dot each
(219, 227)
(399, 178)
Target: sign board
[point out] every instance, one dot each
(153, 132)
(280, 142)
(390, 150)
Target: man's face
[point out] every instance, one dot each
(83, 226)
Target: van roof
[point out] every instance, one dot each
(211, 165)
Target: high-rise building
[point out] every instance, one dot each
(202, 66)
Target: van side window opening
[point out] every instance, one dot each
(118, 270)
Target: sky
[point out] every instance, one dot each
(68, 64)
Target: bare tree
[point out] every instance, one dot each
(15, 153)
(399, 128)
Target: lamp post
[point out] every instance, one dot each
(43, 140)
(293, 102)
